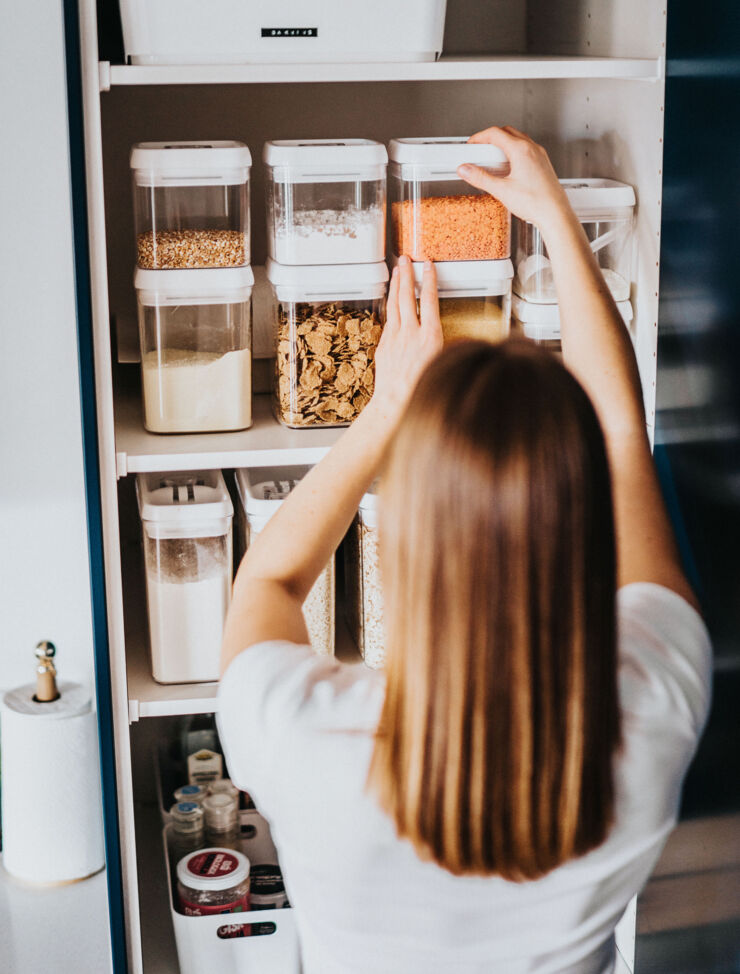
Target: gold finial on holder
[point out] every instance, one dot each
(46, 674)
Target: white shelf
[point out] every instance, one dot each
(510, 67)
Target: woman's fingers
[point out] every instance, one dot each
(503, 138)
(480, 178)
(392, 312)
(407, 292)
(429, 304)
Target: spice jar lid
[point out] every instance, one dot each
(325, 160)
(210, 285)
(597, 194)
(221, 810)
(438, 158)
(266, 880)
(194, 498)
(190, 793)
(327, 282)
(213, 869)
(188, 816)
(471, 276)
(220, 163)
(223, 786)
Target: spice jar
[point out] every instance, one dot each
(186, 525)
(541, 322)
(328, 325)
(195, 334)
(191, 204)
(261, 491)
(190, 793)
(186, 831)
(325, 201)
(222, 820)
(267, 889)
(436, 215)
(213, 881)
(364, 600)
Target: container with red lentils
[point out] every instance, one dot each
(212, 881)
(436, 215)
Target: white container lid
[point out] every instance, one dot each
(327, 282)
(263, 489)
(213, 869)
(542, 321)
(471, 276)
(438, 158)
(325, 160)
(190, 163)
(369, 507)
(597, 194)
(210, 285)
(179, 499)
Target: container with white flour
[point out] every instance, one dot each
(186, 523)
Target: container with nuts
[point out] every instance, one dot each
(363, 591)
(328, 322)
(191, 204)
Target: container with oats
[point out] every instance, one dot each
(436, 215)
(541, 322)
(261, 492)
(191, 204)
(196, 349)
(363, 592)
(325, 201)
(328, 322)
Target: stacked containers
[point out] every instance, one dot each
(364, 594)
(186, 525)
(193, 284)
(261, 492)
(541, 322)
(326, 241)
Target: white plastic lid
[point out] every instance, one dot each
(221, 810)
(597, 194)
(210, 285)
(369, 507)
(190, 163)
(179, 498)
(325, 160)
(439, 157)
(263, 489)
(213, 869)
(542, 321)
(476, 276)
(190, 793)
(327, 282)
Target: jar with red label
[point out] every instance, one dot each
(213, 881)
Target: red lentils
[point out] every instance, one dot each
(472, 227)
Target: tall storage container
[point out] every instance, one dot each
(196, 349)
(261, 492)
(191, 204)
(186, 526)
(364, 594)
(325, 201)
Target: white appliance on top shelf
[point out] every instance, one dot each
(286, 31)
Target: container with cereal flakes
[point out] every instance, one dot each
(261, 491)
(436, 215)
(363, 591)
(328, 322)
(191, 204)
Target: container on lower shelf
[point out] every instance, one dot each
(436, 215)
(605, 209)
(541, 322)
(186, 525)
(191, 204)
(325, 201)
(195, 336)
(328, 322)
(363, 591)
(261, 491)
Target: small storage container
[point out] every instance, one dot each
(364, 594)
(325, 201)
(261, 492)
(436, 215)
(191, 204)
(186, 524)
(474, 298)
(541, 322)
(328, 322)
(605, 209)
(195, 334)
(303, 31)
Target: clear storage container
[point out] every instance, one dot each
(541, 322)
(261, 492)
(474, 298)
(328, 322)
(325, 201)
(364, 594)
(195, 335)
(437, 216)
(186, 525)
(191, 204)
(605, 209)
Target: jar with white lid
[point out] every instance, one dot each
(191, 204)
(195, 334)
(186, 524)
(213, 881)
(541, 322)
(186, 833)
(328, 322)
(191, 793)
(364, 593)
(436, 215)
(474, 298)
(261, 491)
(325, 201)
(605, 209)
(221, 812)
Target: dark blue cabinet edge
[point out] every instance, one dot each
(92, 480)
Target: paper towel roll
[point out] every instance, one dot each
(51, 800)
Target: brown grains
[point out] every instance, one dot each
(171, 249)
(472, 227)
(325, 363)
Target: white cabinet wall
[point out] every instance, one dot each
(585, 77)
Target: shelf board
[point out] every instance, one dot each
(509, 67)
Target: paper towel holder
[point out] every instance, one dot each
(46, 673)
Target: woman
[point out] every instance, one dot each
(496, 798)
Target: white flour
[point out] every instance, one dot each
(331, 237)
(187, 391)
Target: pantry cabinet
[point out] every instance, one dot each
(584, 77)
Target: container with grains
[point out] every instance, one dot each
(328, 322)
(191, 204)
(261, 491)
(436, 215)
(363, 591)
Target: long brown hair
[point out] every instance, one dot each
(494, 748)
